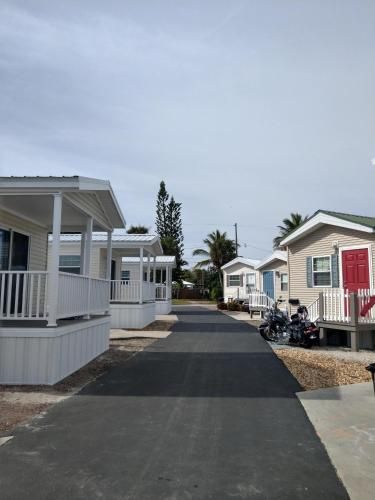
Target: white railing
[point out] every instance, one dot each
(129, 291)
(260, 300)
(364, 296)
(162, 292)
(336, 305)
(23, 294)
(313, 310)
(80, 295)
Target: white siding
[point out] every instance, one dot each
(75, 249)
(38, 238)
(241, 269)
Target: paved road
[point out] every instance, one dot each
(208, 413)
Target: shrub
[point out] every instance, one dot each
(234, 306)
(222, 306)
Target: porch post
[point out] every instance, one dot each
(83, 246)
(354, 313)
(88, 245)
(148, 267)
(109, 255)
(141, 275)
(53, 285)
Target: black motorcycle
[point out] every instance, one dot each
(274, 327)
(301, 330)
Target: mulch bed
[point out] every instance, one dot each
(316, 371)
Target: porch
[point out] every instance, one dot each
(351, 314)
(51, 322)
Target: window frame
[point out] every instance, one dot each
(315, 272)
(229, 280)
(122, 274)
(63, 267)
(284, 283)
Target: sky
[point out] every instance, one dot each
(248, 109)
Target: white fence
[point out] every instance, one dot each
(335, 305)
(80, 295)
(260, 300)
(23, 294)
(129, 291)
(162, 292)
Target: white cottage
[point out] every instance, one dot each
(240, 276)
(161, 275)
(132, 300)
(52, 322)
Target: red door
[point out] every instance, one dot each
(355, 269)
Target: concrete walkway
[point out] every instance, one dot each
(207, 413)
(344, 418)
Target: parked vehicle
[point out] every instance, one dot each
(299, 330)
(275, 323)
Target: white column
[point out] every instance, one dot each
(148, 267)
(154, 269)
(141, 275)
(109, 255)
(53, 277)
(88, 246)
(83, 246)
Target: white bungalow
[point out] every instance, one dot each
(240, 277)
(52, 322)
(132, 301)
(161, 275)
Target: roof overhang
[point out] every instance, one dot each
(123, 245)
(318, 220)
(241, 260)
(31, 198)
(275, 256)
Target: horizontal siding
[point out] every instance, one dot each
(38, 238)
(75, 249)
(317, 244)
(281, 267)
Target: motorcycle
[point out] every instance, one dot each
(299, 330)
(275, 323)
(302, 331)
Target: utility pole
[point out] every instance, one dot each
(235, 232)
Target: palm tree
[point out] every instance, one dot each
(220, 250)
(295, 220)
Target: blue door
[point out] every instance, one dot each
(268, 284)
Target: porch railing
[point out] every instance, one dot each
(80, 295)
(260, 300)
(24, 295)
(162, 292)
(129, 291)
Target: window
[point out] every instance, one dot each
(322, 271)
(125, 275)
(234, 280)
(250, 281)
(70, 264)
(284, 282)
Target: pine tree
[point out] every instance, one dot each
(161, 211)
(169, 228)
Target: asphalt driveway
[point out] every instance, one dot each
(207, 413)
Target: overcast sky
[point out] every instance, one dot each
(247, 109)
